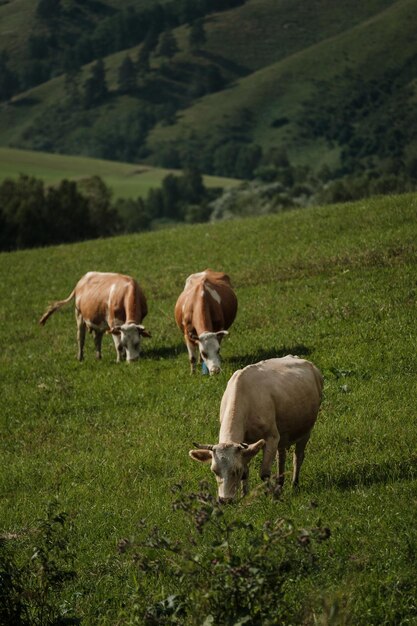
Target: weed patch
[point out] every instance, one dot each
(225, 570)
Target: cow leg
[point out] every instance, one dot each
(191, 354)
(81, 327)
(121, 353)
(98, 338)
(281, 458)
(245, 481)
(269, 453)
(299, 458)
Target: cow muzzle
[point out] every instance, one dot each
(214, 369)
(225, 500)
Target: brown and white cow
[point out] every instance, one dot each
(107, 302)
(269, 405)
(204, 310)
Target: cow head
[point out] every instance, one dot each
(127, 338)
(209, 346)
(229, 463)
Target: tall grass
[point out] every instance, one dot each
(110, 442)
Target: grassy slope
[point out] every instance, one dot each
(126, 180)
(278, 90)
(262, 32)
(336, 284)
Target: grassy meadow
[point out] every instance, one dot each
(127, 180)
(108, 443)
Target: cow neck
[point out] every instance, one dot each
(232, 427)
(201, 318)
(132, 306)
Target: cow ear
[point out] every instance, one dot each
(193, 336)
(253, 449)
(115, 330)
(204, 456)
(143, 332)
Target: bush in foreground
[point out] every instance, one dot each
(225, 571)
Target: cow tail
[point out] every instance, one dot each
(54, 307)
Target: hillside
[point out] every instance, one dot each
(104, 517)
(295, 103)
(327, 88)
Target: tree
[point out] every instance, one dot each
(95, 88)
(143, 65)
(151, 40)
(23, 213)
(8, 80)
(247, 160)
(68, 214)
(127, 76)
(171, 195)
(197, 35)
(133, 214)
(192, 185)
(102, 216)
(48, 9)
(72, 69)
(214, 79)
(167, 46)
(155, 204)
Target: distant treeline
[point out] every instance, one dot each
(33, 214)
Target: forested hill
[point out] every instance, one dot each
(285, 91)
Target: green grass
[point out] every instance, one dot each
(334, 284)
(127, 180)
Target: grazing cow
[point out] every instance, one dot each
(204, 310)
(107, 302)
(269, 405)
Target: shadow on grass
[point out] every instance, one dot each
(25, 101)
(163, 352)
(369, 473)
(175, 350)
(271, 353)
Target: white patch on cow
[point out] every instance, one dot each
(209, 346)
(214, 294)
(100, 327)
(111, 292)
(193, 277)
(228, 466)
(127, 342)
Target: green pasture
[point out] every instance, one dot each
(127, 180)
(109, 443)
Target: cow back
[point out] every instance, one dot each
(207, 303)
(282, 392)
(106, 297)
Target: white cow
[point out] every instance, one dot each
(266, 406)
